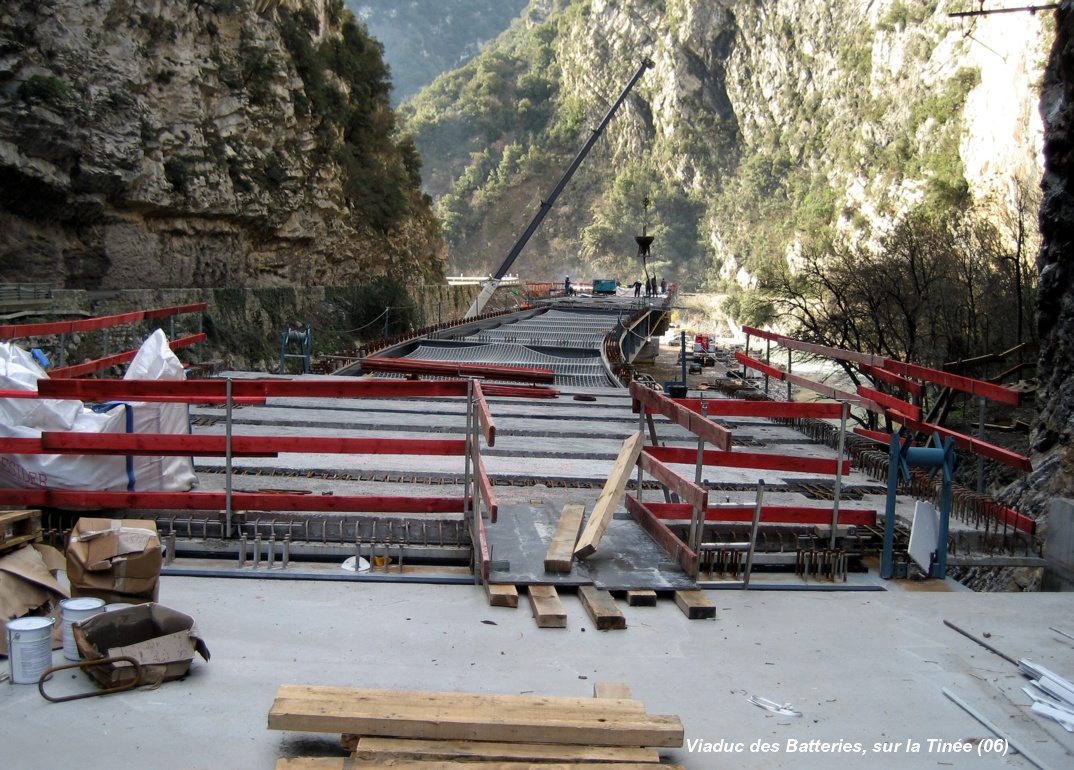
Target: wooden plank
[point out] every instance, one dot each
(610, 496)
(618, 690)
(642, 597)
(373, 747)
(350, 763)
(695, 605)
(402, 715)
(560, 554)
(548, 610)
(478, 704)
(19, 527)
(602, 609)
(501, 595)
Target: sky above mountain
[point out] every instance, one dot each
(423, 38)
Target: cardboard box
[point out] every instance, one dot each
(163, 640)
(28, 586)
(117, 560)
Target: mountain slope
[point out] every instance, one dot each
(762, 126)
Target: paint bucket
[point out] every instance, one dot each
(74, 610)
(29, 648)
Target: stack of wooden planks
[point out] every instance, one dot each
(18, 528)
(419, 730)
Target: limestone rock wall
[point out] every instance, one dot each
(158, 144)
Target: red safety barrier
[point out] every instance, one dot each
(421, 367)
(720, 459)
(17, 331)
(770, 514)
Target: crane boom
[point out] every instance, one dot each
(490, 286)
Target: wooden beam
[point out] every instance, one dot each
(377, 748)
(695, 605)
(601, 608)
(560, 554)
(610, 496)
(351, 763)
(641, 597)
(548, 610)
(719, 459)
(463, 716)
(715, 434)
(501, 595)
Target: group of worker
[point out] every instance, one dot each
(651, 287)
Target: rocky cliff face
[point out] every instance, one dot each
(1053, 436)
(201, 143)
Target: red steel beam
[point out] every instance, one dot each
(803, 382)
(93, 324)
(685, 488)
(719, 459)
(215, 445)
(891, 402)
(821, 350)
(518, 391)
(485, 485)
(89, 367)
(701, 427)
(216, 501)
(484, 416)
(451, 369)
(999, 454)
(770, 514)
(965, 384)
(727, 407)
(883, 375)
(665, 538)
(194, 390)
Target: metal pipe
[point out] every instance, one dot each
(227, 462)
(839, 471)
(753, 535)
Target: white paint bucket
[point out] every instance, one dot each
(74, 610)
(29, 648)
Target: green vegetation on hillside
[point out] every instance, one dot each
(346, 86)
